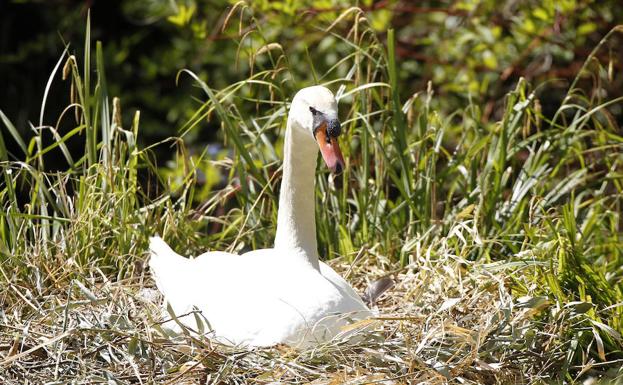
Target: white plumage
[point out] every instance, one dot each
(270, 296)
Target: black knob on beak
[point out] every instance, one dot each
(334, 129)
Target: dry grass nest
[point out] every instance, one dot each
(446, 320)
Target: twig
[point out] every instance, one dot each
(41, 345)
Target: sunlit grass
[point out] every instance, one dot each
(504, 238)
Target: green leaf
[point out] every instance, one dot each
(489, 59)
(586, 28)
(183, 16)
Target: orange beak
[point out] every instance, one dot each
(330, 150)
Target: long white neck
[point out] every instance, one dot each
(296, 223)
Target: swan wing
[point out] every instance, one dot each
(183, 280)
(350, 300)
(236, 296)
(260, 298)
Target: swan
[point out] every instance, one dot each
(283, 295)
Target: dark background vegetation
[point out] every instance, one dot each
(466, 50)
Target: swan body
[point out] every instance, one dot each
(279, 295)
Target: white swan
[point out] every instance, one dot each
(280, 295)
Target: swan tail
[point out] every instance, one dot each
(158, 247)
(171, 272)
(163, 259)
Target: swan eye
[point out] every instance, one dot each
(318, 119)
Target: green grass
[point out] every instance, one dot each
(504, 238)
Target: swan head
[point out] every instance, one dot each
(314, 111)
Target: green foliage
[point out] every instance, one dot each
(93, 214)
(470, 51)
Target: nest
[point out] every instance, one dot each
(445, 320)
